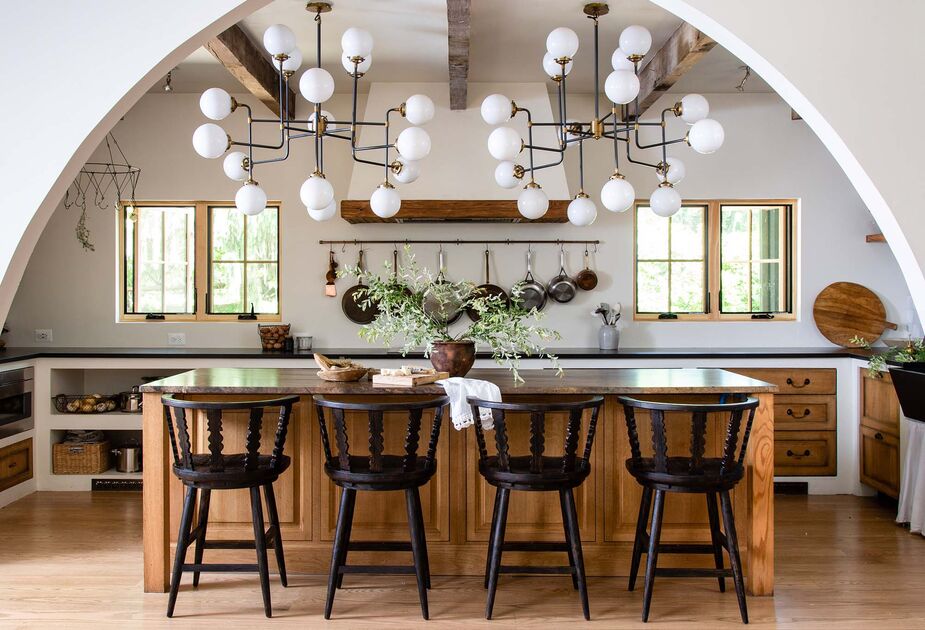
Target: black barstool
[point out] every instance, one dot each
(378, 471)
(216, 470)
(692, 473)
(536, 472)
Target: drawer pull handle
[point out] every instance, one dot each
(878, 435)
(13, 465)
(790, 382)
(790, 413)
(805, 453)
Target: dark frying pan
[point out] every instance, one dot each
(586, 278)
(446, 313)
(488, 289)
(532, 294)
(356, 296)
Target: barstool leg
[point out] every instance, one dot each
(270, 498)
(733, 548)
(420, 514)
(574, 536)
(645, 505)
(202, 523)
(418, 548)
(186, 521)
(497, 544)
(652, 554)
(260, 543)
(491, 535)
(347, 533)
(341, 540)
(716, 537)
(571, 557)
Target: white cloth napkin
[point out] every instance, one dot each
(458, 389)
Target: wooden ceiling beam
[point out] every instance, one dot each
(681, 52)
(457, 17)
(247, 63)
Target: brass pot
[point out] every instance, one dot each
(455, 357)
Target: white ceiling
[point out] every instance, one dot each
(507, 43)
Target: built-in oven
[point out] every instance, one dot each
(16, 401)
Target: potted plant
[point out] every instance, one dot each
(911, 355)
(907, 372)
(418, 307)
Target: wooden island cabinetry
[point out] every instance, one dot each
(879, 433)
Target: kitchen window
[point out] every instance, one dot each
(198, 261)
(716, 260)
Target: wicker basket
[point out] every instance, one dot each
(80, 459)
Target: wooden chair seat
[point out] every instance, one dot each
(234, 475)
(520, 475)
(392, 474)
(677, 477)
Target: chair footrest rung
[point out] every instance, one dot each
(221, 568)
(685, 548)
(377, 569)
(537, 570)
(692, 572)
(371, 545)
(535, 546)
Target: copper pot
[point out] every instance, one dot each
(455, 357)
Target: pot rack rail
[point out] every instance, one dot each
(459, 241)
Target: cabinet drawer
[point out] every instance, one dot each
(804, 453)
(794, 380)
(879, 403)
(804, 413)
(880, 461)
(15, 464)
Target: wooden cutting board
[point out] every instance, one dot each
(381, 380)
(844, 310)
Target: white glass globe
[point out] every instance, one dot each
(676, 171)
(621, 86)
(552, 68)
(665, 201)
(294, 61)
(356, 42)
(410, 170)
(250, 199)
(706, 136)
(635, 40)
(582, 211)
(620, 61)
(496, 109)
(210, 140)
(504, 144)
(618, 195)
(504, 175)
(694, 107)
(532, 202)
(385, 201)
(215, 103)
(324, 114)
(316, 192)
(316, 85)
(279, 40)
(419, 109)
(325, 213)
(234, 166)
(562, 42)
(413, 143)
(362, 67)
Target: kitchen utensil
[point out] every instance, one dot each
(130, 402)
(302, 341)
(354, 301)
(128, 459)
(330, 289)
(395, 280)
(532, 293)
(586, 278)
(844, 310)
(562, 288)
(447, 311)
(487, 289)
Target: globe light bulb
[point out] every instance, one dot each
(582, 211)
(324, 214)
(279, 40)
(316, 192)
(532, 203)
(676, 171)
(413, 143)
(562, 42)
(617, 194)
(694, 107)
(706, 136)
(419, 109)
(385, 201)
(234, 166)
(409, 172)
(294, 61)
(665, 201)
(356, 42)
(210, 140)
(324, 114)
(620, 61)
(361, 68)
(506, 174)
(497, 109)
(635, 41)
(552, 68)
(504, 143)
(621, 86)
(215, 103)
(316, 85)
(250, 199)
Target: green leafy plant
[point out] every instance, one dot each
(412, 298)
(914, 351)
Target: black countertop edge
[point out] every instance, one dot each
(9, 355)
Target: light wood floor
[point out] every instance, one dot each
(75, 559)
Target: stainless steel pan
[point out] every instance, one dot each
(442, 312)
(562, 288)
(532, 294)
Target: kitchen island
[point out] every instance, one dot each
(457, 503)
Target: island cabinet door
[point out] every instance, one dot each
(229, 510)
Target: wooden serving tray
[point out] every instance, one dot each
(380, 380)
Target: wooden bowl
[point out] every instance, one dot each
(344, 375)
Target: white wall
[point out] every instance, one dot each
(766, 155)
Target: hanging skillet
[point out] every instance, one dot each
(443, 312)
(562, 288)
(487, 289)
(586, 278)
(532, 293)
(355, 298)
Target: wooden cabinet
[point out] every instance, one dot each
(879, 433)
(15, 464)
(804, 453)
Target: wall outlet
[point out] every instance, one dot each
(43, 335)
(175, 339)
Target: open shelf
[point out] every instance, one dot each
(114, 421)
(112, 473)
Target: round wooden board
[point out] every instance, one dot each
(844, 310)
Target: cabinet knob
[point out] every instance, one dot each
(790, 382)
(790, 413)
(878, 435)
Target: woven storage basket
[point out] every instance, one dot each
(80, 459)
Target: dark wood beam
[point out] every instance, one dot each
(452, 211)
(457, 17)
(680, 53)
(247, 63)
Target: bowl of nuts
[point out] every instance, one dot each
(273, 336)
(85, 403)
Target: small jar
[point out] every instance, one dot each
(608, 337)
